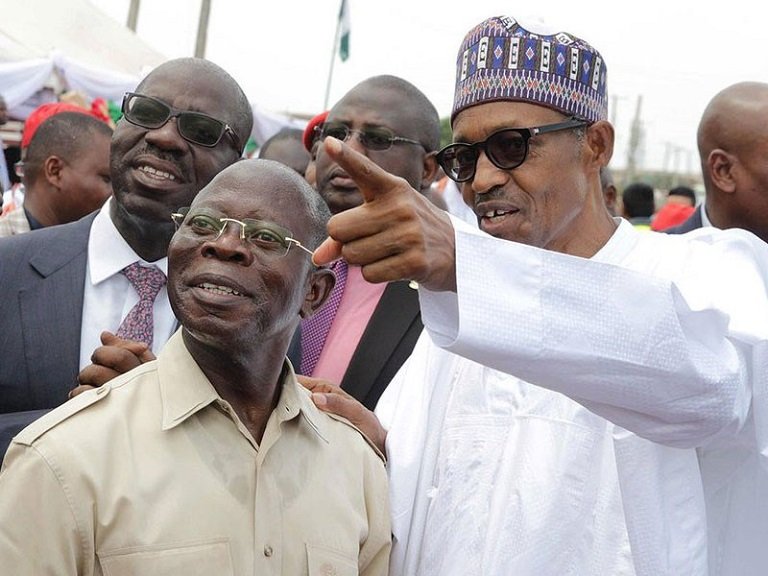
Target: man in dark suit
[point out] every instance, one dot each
(693, 222)
(733, 146)
(375, 326)
(64, 285)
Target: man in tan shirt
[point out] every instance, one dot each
(212, 459)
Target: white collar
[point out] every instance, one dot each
(108, 252)
(619, 244)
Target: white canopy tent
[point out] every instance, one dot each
(71, 44)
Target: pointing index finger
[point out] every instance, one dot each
(371, 180)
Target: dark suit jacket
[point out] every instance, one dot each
(42, 277)
(384, 346)
(692, 223)
(13, 423)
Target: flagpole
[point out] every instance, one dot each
(333, 60)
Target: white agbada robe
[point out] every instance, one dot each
(663, 336)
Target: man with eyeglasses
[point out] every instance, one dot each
(64, 286)
(366, 331)
(587, 398)
(211, 460)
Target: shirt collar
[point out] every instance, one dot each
(185, 390)
(621, 242)
(34, 223)
(295, 401)
(108, 252)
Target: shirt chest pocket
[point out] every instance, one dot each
(327, 562)
(203, 559)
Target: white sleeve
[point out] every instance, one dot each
(670, 361)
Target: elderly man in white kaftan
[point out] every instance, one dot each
(629, 361)
(490, 475)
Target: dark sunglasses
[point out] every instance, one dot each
(506, 149)
(195, 127)
(373, 138)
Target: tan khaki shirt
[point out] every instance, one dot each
(153, 474)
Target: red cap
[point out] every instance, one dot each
(41, 114)
(309, 132)
(100, 109)
(671, 215)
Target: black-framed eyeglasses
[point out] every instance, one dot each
(266, 236)
(196, 127)
(506, 149)
(372, 137)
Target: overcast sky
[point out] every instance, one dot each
(675, 54)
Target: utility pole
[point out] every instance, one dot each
(635, 139)
(678, 150)
(133, 14)
(202, 29)
(667, 153)
(333, 58)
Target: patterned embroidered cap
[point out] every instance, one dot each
(499, 59)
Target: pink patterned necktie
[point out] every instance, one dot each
(314, 330)
(139, 322)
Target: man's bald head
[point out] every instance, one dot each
(416, 107)
(269, 182)
(729, 121)
(733, 145)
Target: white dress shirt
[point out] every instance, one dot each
(108, 295)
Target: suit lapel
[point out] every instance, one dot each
(55, 301)
(693, 222)
(696, 221)
(392, 319)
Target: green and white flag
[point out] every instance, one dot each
(344, 31)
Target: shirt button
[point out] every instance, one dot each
(267, 551)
